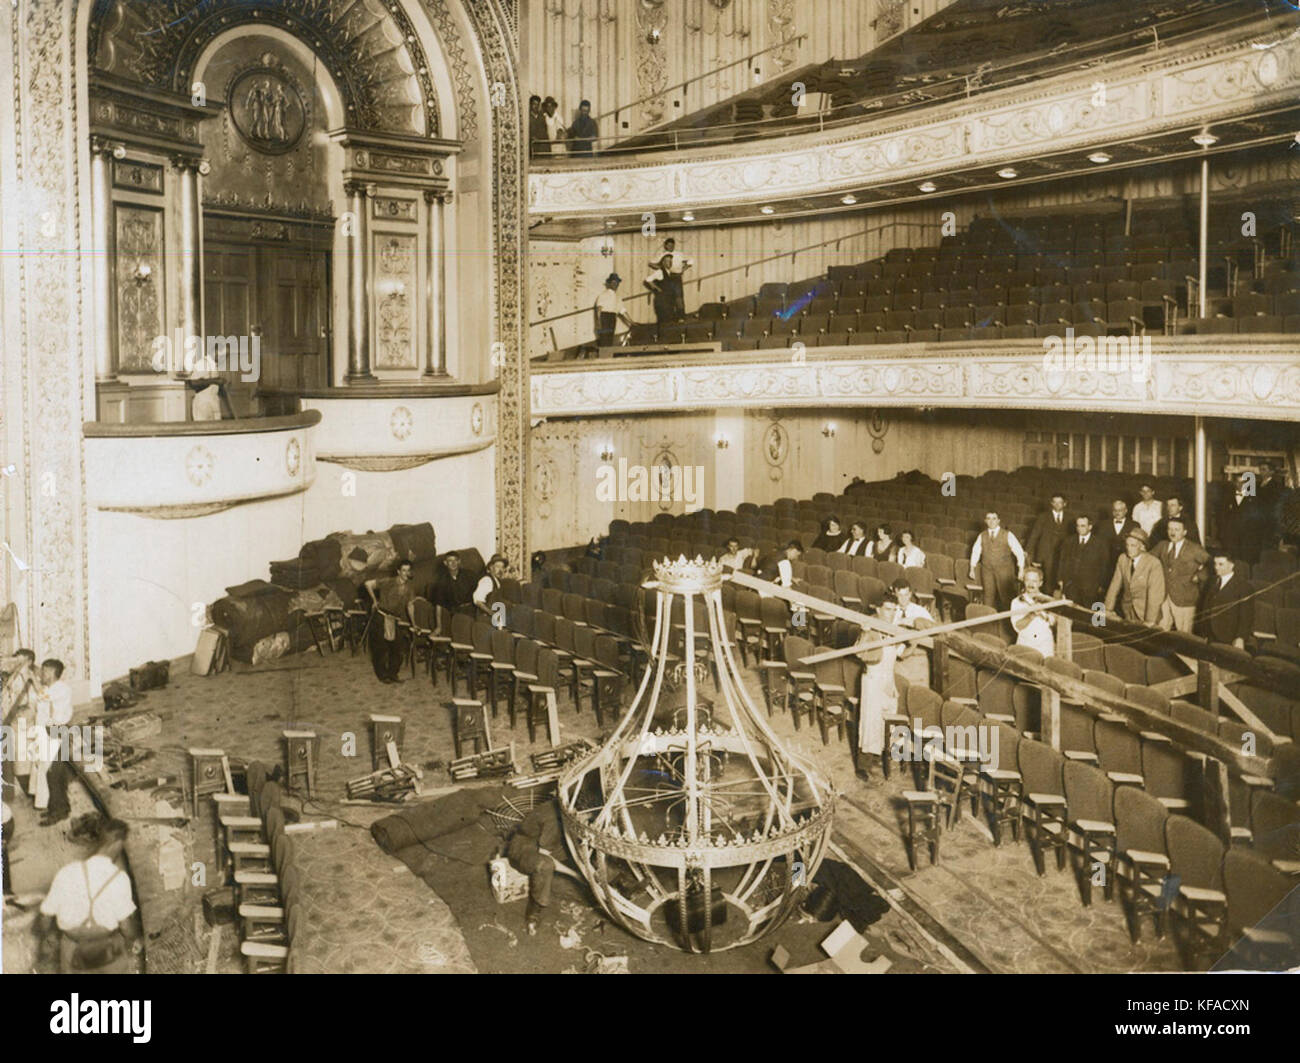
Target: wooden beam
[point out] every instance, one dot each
(929, 632)
(1093, 699)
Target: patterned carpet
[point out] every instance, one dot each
(365, 912)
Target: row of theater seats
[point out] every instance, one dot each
(1165, 864)
(258, 855)
(1016, 279)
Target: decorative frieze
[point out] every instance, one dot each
(1184, 377)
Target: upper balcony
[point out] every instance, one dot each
(1131, 108)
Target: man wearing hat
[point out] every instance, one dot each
(488, 591)
(610, 312)
(1139, 582)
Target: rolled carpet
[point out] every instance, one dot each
(432, 819)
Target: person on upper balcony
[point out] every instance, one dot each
(674, 280)
(584, 131)
(539, 141)
(554, 131)
(660, 284)
(611, 315)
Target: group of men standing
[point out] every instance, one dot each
(546, 136)
(1150, 566)
(667, 289)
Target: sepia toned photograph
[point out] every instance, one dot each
(711, 487)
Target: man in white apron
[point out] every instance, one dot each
(878, 696)
(90, 902)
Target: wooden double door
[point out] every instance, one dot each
(278, 293)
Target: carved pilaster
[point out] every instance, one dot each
(436, 200)
(358, 283)
(190, 273)
(102, 152)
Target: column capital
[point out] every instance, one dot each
(187, 163)
(437, 195)
(104, 146)
(357, 188)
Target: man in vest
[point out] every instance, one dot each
(1186, 566)
(488, 591)
(91, 904)
(997, 561)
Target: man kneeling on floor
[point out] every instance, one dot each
(91, 904)
(530, 850)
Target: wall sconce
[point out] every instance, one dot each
(142, 273)
(119, 151)
(829, 429)
(205, 167)
(8, 470)
(607, 247)
(653, 36)
(722, 441)
(607, 452)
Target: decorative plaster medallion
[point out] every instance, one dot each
(401, 422)
(268, 109)
(198, 465)
(476, 419)
(293, 456)
(776, 444)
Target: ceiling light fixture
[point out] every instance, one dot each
(688, 216)
(1008, 172)
(1205, 140)
(849, 200)
(927, 186)
(1099, 157)
(766, 210)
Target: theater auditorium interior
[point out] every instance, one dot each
(650, 486)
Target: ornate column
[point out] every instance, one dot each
(358, 285)
(101, 200)
(437, 200)
(190, 274)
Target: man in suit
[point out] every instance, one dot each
(1115, 531)
(1174, 511)
(1083, 564)
(1185, 564)
(1227, 611)
(1050, 530)
(997, 560)
(1243, 522)
(1139, 582)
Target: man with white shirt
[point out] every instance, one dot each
(1050, 530)
(1148, 511)
(1033, 628)
(735, 558)
(1185, 573)
(90, 904)
(611, 315)
(1084, 565)
(1116, 530)
(785, 567)
(51, 772)
(998, 561)
(677, 266)
(856, 545)
(488, 591)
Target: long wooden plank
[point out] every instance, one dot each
(929, 632)
(1072, 690)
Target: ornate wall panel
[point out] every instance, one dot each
(395, 303)
(1057, 116)
(46, 328)
(140, 276)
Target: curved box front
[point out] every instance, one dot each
(190, 469)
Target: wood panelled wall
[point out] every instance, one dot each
(566, 508)
(600, 49)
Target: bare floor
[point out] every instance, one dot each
(978, 908)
